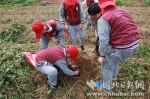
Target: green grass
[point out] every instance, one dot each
(147, 2)
(12, 32)
(5, 3)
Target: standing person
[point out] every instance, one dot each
(87, 17)
(46, 60)
(117, 29)
(92, 13)
(71, 11)
(48, 31)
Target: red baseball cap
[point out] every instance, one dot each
(105, 3)
(73, 51)
(38, 27)
(70, 2)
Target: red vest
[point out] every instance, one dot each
(51, 54)
(123, 29)
(89, 2)
(72, 14)
(51, 23)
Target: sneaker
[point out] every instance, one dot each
(103, 87)
(88, 26)
(115, 78)
(83, 49)
(30, 58)
(53, 87)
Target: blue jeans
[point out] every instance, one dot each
(48, 69)
(81, 33)
(45, 41)
(111, 63)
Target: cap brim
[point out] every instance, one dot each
(38, 35)
(105, 4)
(74, 59)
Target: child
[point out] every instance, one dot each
(48, 31)
(117, 29)
(71, 11)
(45, 63)
(92, 13)
(87, 17)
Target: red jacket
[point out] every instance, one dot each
(72, 15)
(53, 32)
(51, 54)
(123, 29)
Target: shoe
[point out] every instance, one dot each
(30, 58)
(83, 49)
(115, 78)
(53, 87)
(102, 86)
(88, 25)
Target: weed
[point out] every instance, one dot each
(147, 2)
(12, 32)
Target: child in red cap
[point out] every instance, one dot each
(71, 11)
(117, 29)
(47, 60)
(48, 31)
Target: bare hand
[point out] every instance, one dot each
(65, 26)
(101, 60)
(76, 72)
(57, 41)
(80, 26)
(74, 66)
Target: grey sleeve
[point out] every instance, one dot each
(63, 66)
(104, 36)
(60, 29)
(61, 13)
(81, 12)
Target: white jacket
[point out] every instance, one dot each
(85, 1)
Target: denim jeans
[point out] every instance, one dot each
(81, 33)
(48, 69)
(111, 63)
(44, 41)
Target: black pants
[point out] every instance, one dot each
(96, 50)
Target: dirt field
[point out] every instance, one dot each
(87, 63)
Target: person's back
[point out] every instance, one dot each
(48, 60)
(115, 28)
(124, 31)
(54, 51)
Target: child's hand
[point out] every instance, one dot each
(74, 67)
(76, 72)
(57, 41)
(65, 26)
(80, 26)
(101, 60)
